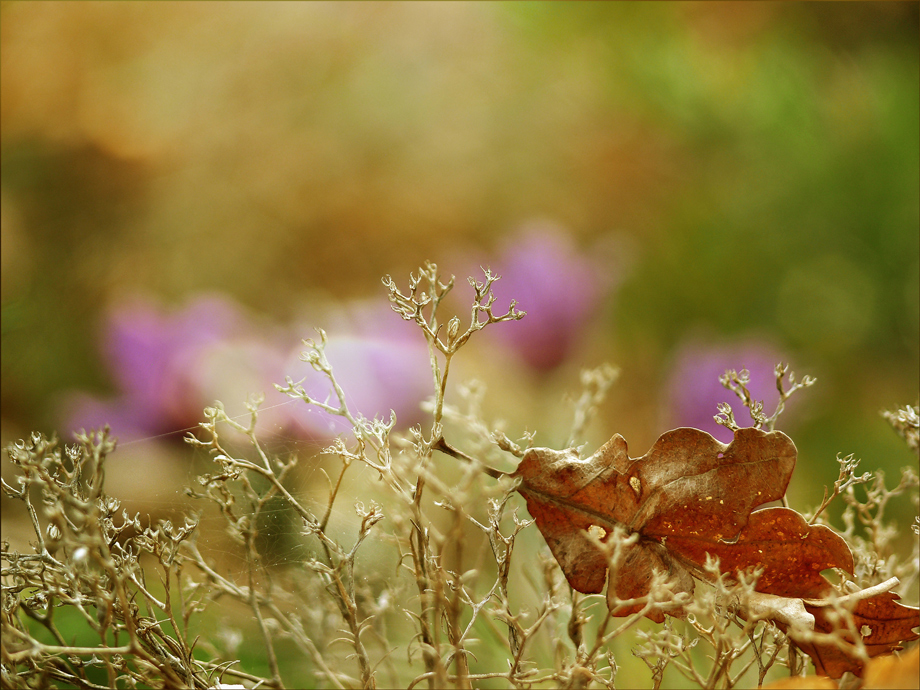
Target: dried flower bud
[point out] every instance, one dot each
(453, 328)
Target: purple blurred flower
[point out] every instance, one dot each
(168, 366)
(559, 288)
(693, 390)
(153, 356)
(379, 360)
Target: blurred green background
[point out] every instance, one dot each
(749, 173)
(750, 169)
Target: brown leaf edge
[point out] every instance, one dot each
(877, 617)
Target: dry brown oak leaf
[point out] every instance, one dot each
(690, 496)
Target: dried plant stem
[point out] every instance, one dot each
(91, 559)
(447, 449)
